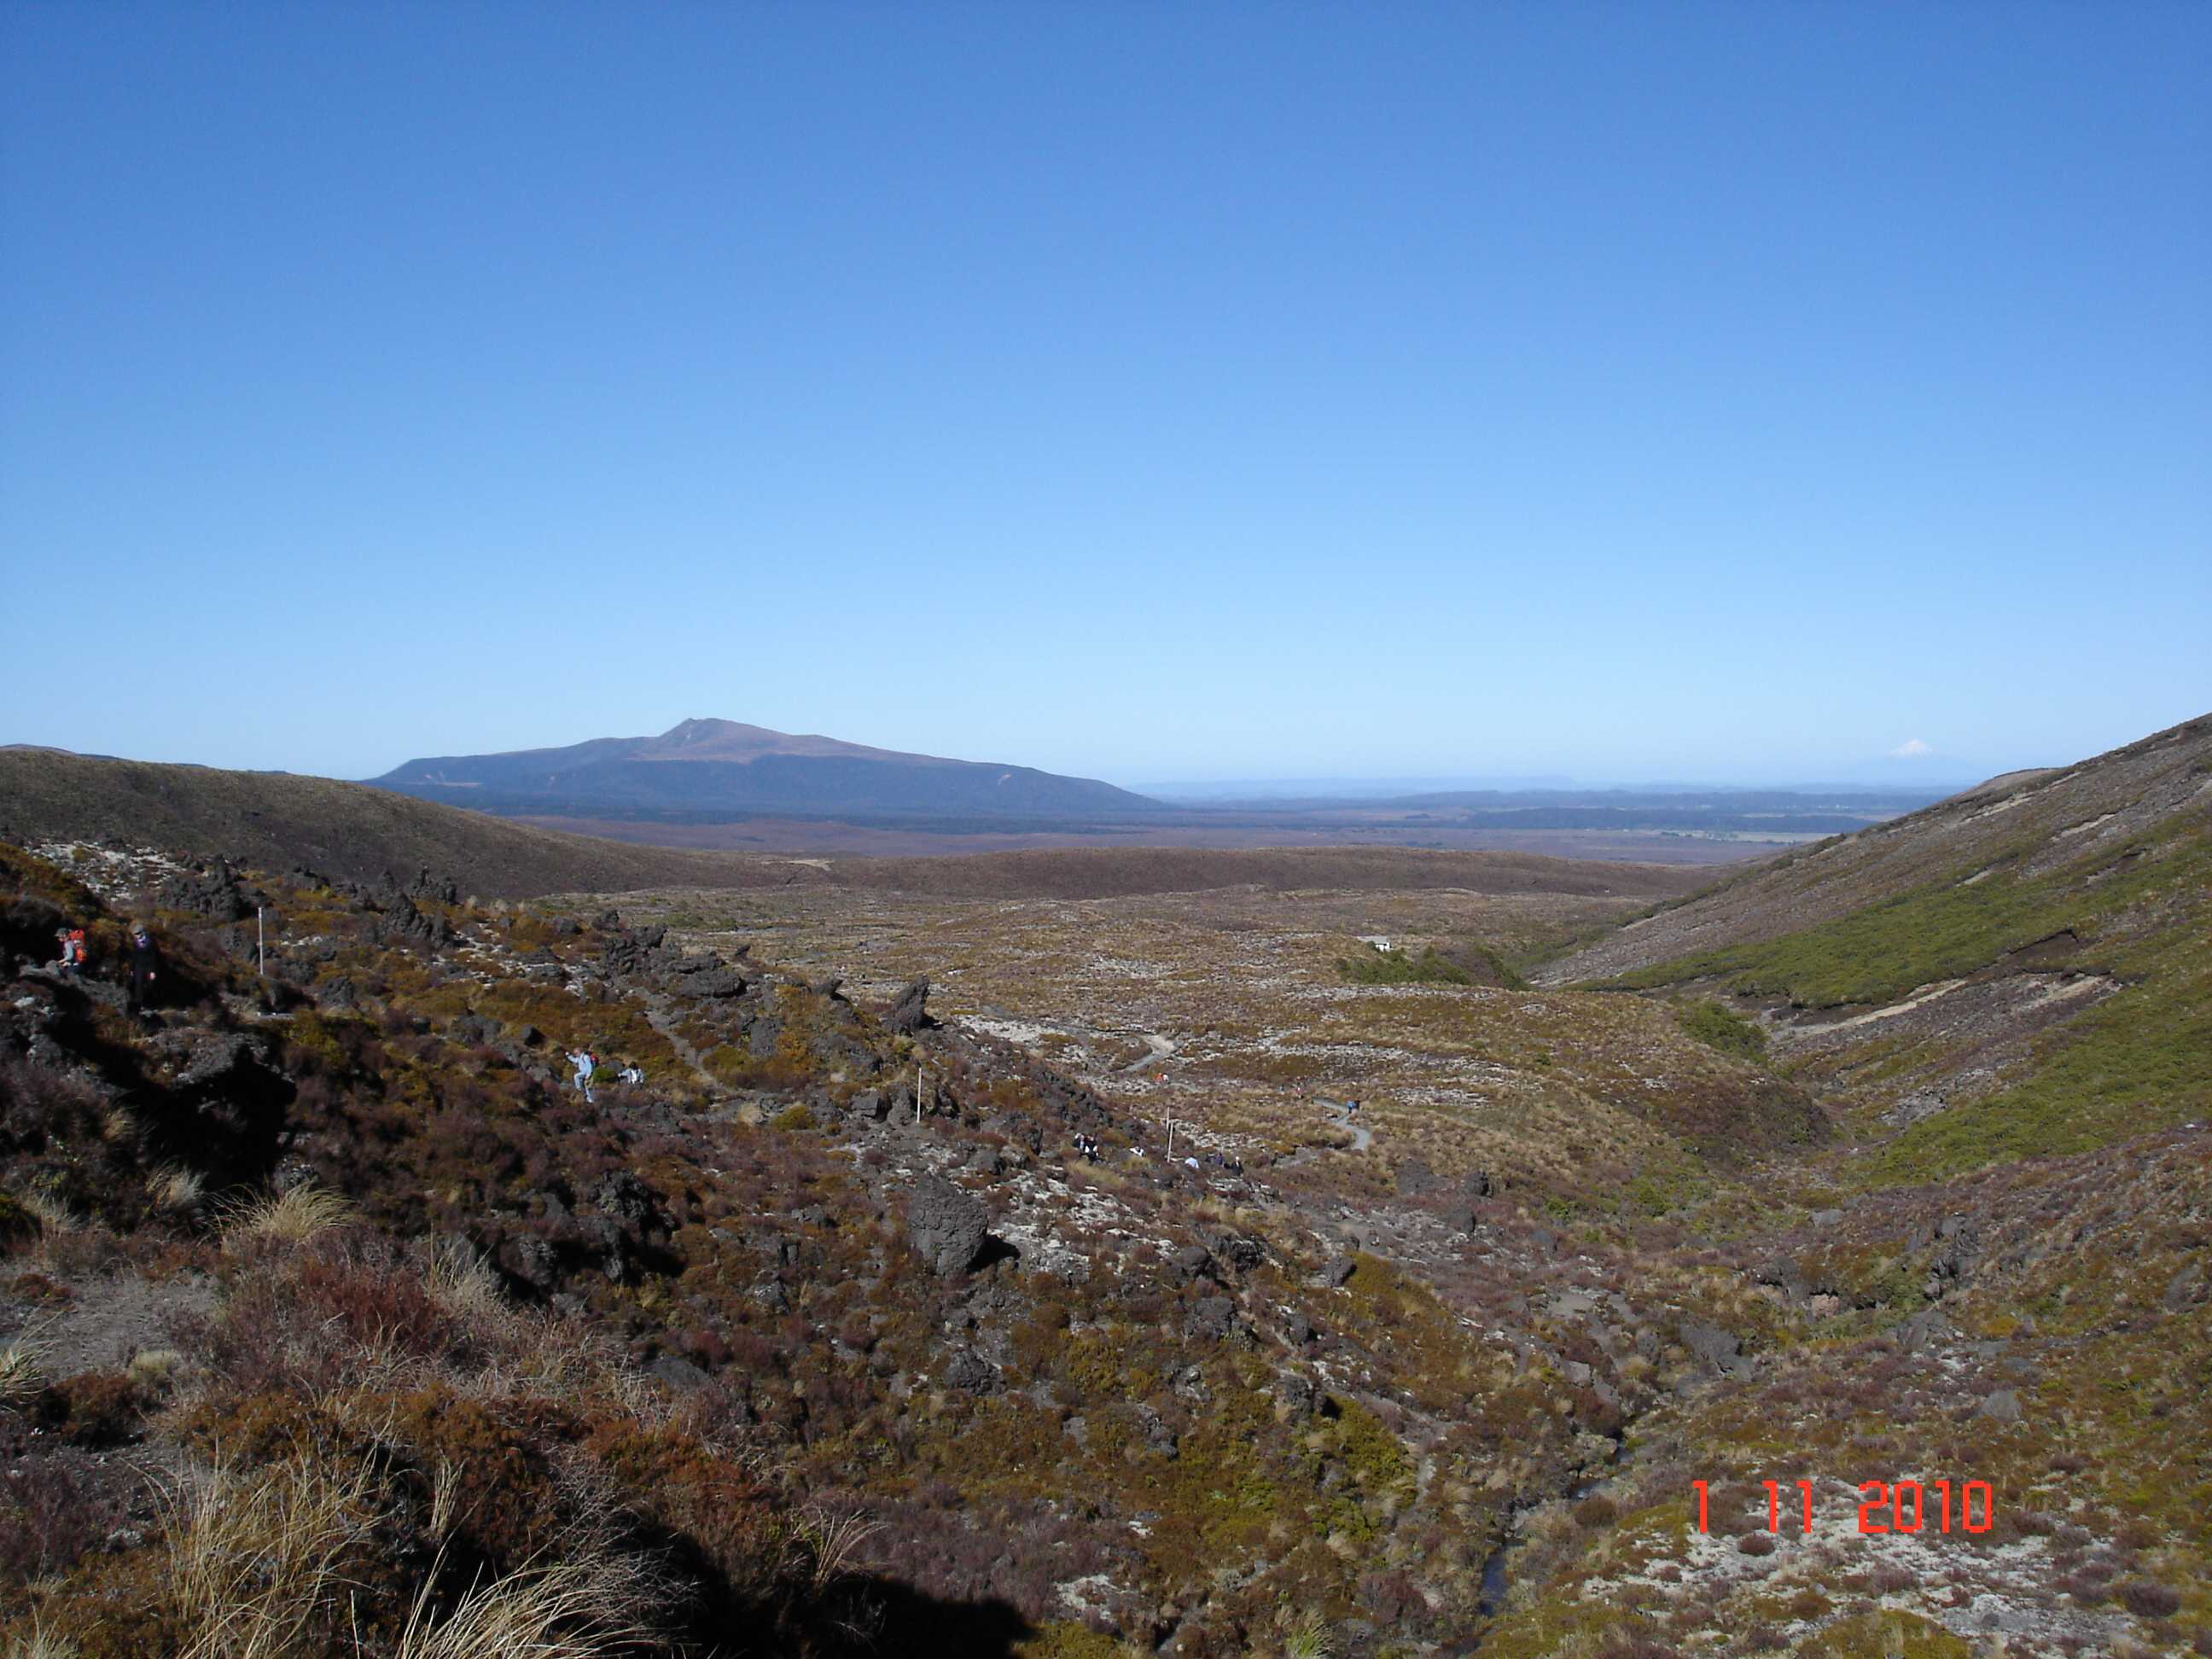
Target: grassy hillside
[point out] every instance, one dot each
(2019, 972)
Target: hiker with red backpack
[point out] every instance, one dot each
(585, 1063)
(73, 956)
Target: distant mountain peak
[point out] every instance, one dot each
(707, 766)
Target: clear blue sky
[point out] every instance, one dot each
(1145, 391)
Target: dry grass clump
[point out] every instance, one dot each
(577, 1608)
(292, 1216)
(52, 1212)
(174, 1190)
(253, 1557)
(463, 1282)
(834, 1542)
(153, 1365)
(39, 1643)
(19, 1377)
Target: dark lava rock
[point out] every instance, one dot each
(1716, 1348)
(402, 920)
(214, 894)
(1782, 1274)
(970, 1372)
(680, 1374)
(1416, 1179)
(444, 891)
(985, 1161)
(1213, 1319)
(631, 952)
(910, 1014)
(945, 1225)
(1924, 1330)
(1239, 1253)
(1158, 1436)
(533, 1261)
(623, 1193)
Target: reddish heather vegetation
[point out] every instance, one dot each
(336, 1319)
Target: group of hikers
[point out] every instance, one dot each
(587, 1068)
(143, 983)
(1088, 1148)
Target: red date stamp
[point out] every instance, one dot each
(1901, 1506)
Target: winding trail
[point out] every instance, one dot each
(1362, 1136)
(1161, 1048)
(657, 1015)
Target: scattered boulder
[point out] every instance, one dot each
(215, 894)
(1157, 1436)
(623, 1193)
(1237, 1253)
(534, 1260)
(910, 1013)
(971, 1373)
(1924, 1330)
(1716, 1349)
(2001, 1407)
(1336, 1270)
(442, 890)
(1193, 1260)
(719, 984)
(680, 1374)
(946, 1225)
(1212, 1319)
(1416, 1179)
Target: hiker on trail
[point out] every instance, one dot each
(71, 939)
(145, 970)
(632, 1073)
(585, 1063)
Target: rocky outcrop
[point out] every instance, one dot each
(945, 1226)
(910, 1013)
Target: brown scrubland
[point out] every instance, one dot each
(335, 1319)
